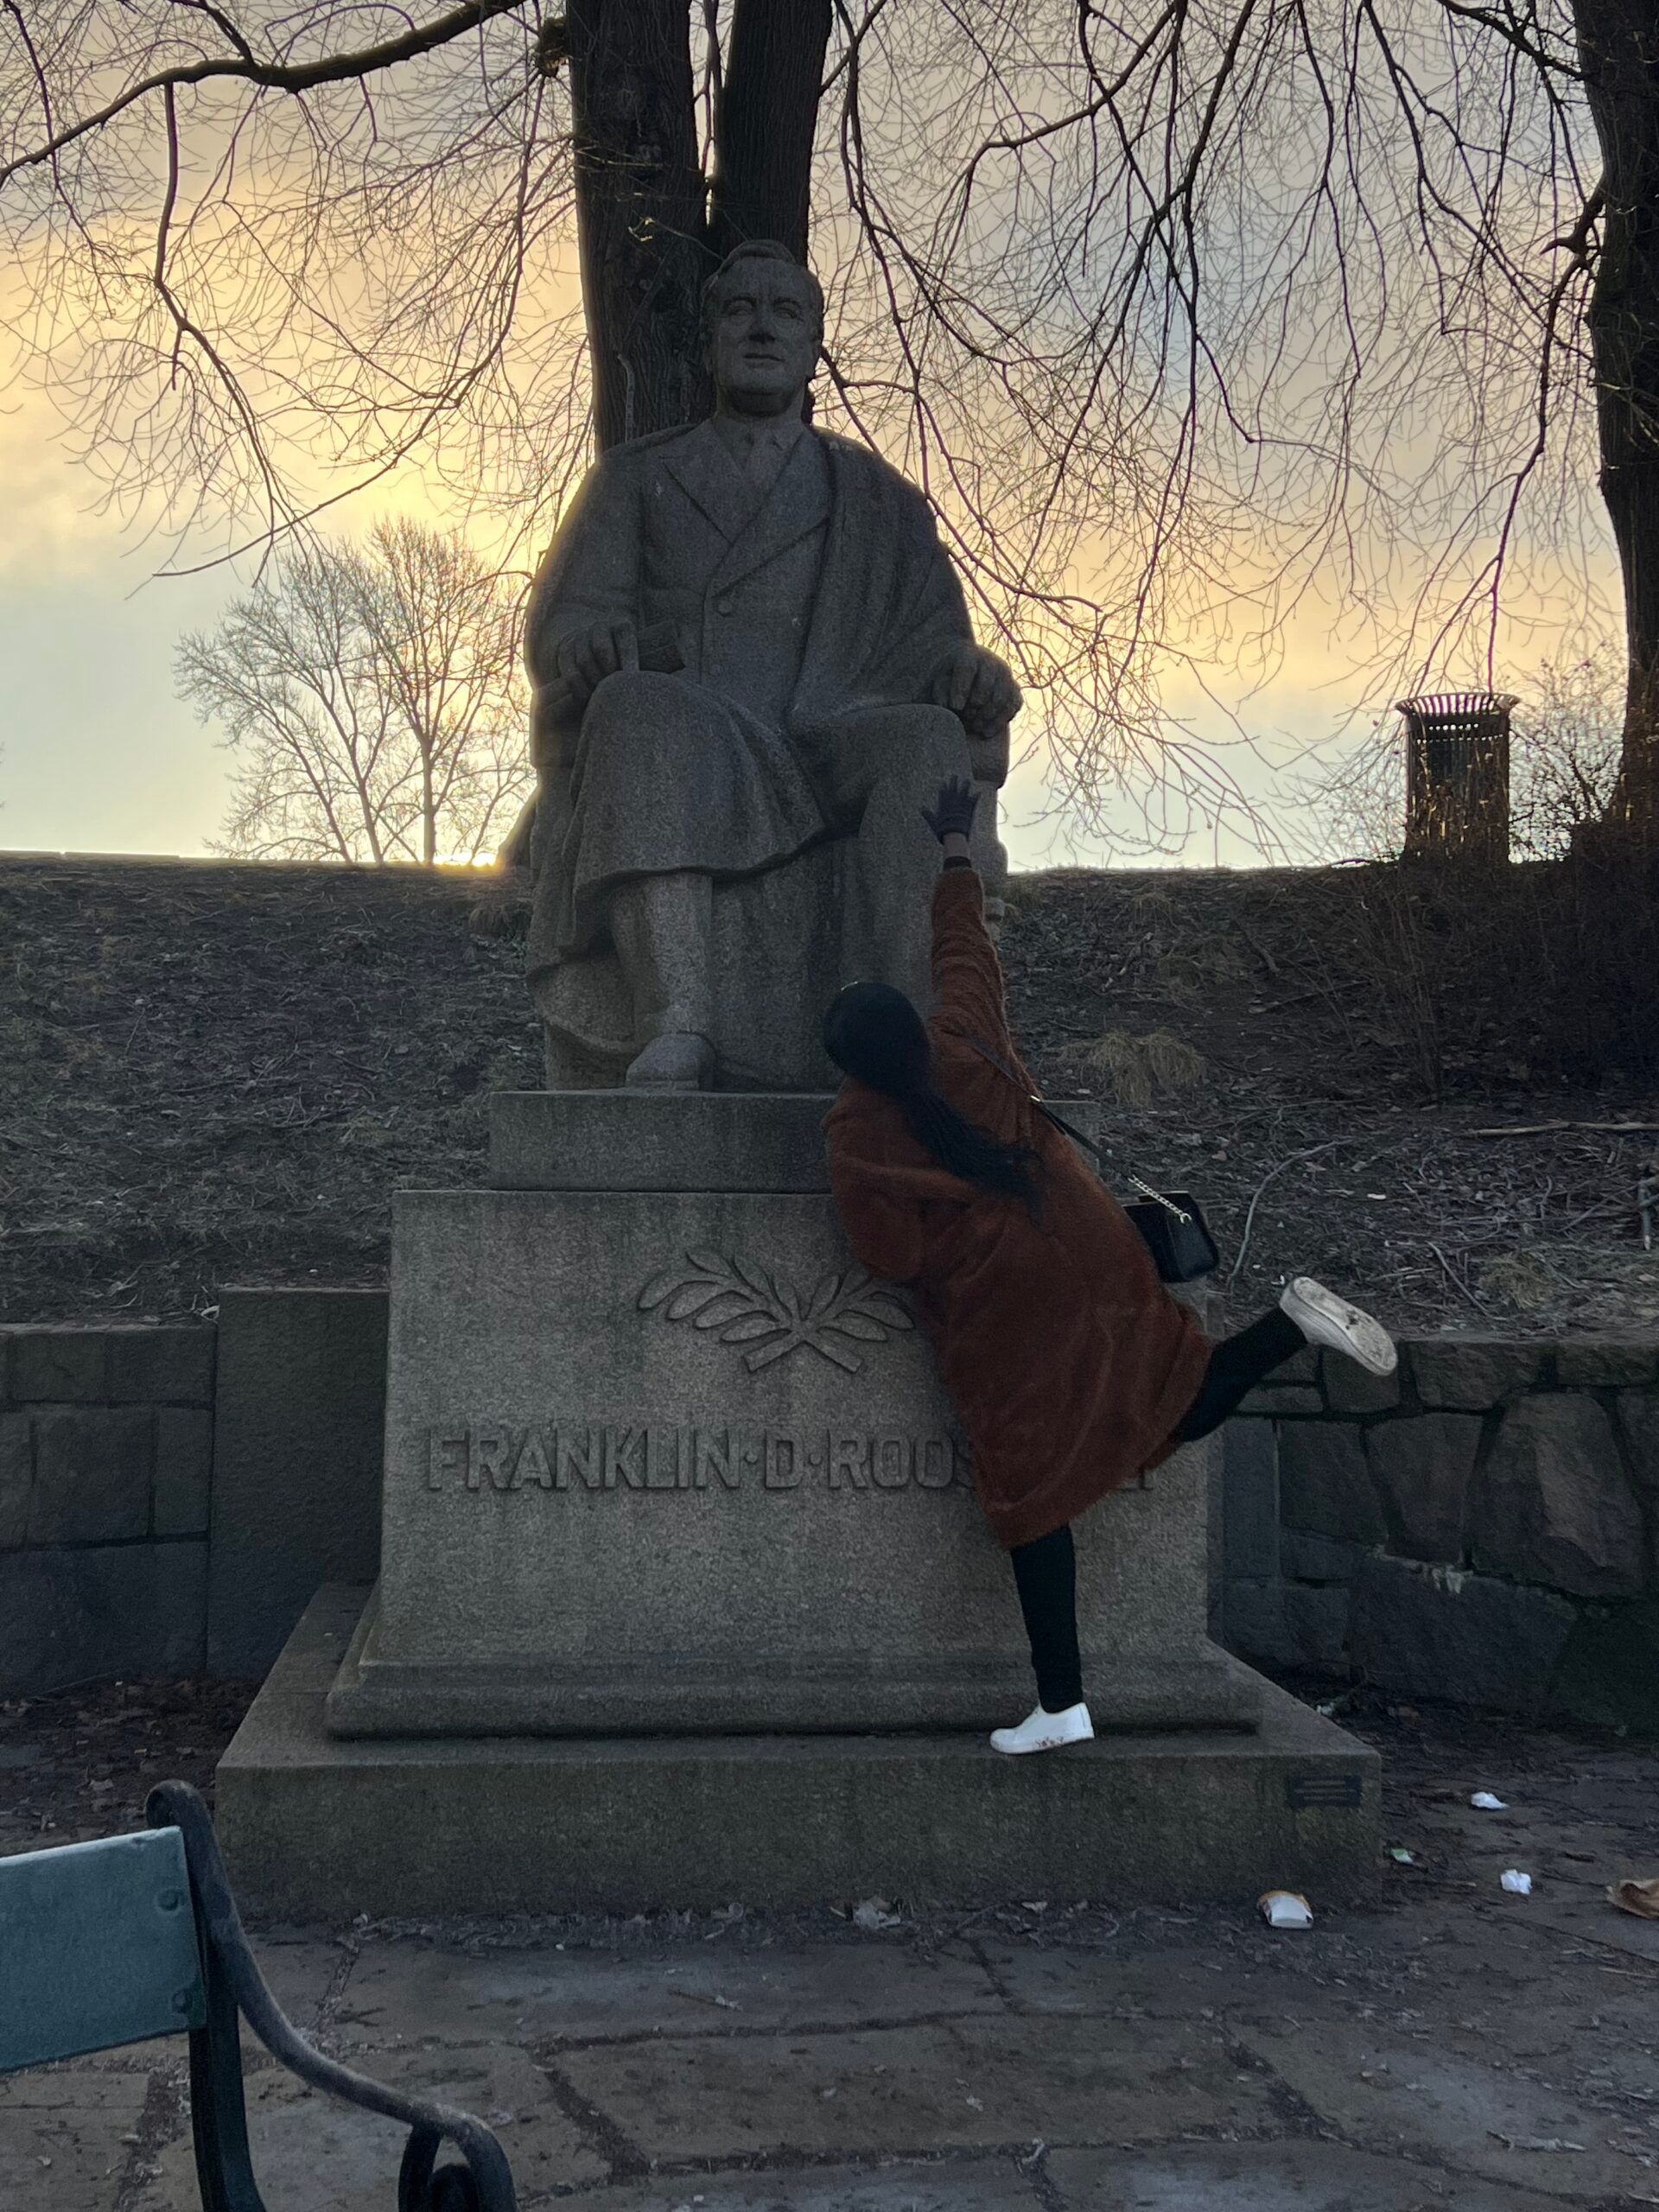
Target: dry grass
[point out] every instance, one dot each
(219, 1074)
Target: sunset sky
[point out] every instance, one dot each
(98, 753)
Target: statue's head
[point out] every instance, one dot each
(762, 328)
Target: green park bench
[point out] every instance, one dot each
(113, 1942)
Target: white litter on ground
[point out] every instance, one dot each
(1517, 1883)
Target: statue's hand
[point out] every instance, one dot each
(586, 659)
(978, 687)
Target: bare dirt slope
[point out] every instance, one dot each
(213, 1073)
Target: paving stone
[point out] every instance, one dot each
(1472, 1373)
(1200, 1987)
(61, 2131)
(1292, 2177)
(161, 1365)
(971, 2084)
(1395, 2094)
(16, 1461)
(91, 1475)
(1551, 1504)
(1422, 1465)
(298, 1971)
(309, 2149)
(65, 1365)
(1606, 1360)
(403, 1994)
(1439, 1632)
(1324, 1484)
(184, 1471)
(934, 2185)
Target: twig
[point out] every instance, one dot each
(1250, 1219)
(1457, 1282)
(1546, 1128)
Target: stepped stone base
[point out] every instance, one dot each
(316, 1827)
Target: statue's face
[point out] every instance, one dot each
(764, 336)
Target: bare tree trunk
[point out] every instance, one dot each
(1618, 47)
(769, 111)
(639, 210)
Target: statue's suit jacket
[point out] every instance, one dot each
(833, 597)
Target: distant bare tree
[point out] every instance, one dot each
(374, 698)
(1179, 311)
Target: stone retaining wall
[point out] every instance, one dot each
(1484, 1526)
(106, 1445)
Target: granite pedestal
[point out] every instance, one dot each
(671, 1494)
(661, 1456)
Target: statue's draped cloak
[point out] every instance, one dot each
(664, 531)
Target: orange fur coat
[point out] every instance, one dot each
(1070, 1364)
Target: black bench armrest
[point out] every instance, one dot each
(235, 1987)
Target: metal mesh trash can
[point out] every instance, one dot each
(1457, 775)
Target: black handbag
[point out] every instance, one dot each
(1171, 1223)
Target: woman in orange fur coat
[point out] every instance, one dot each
(1072, 1369)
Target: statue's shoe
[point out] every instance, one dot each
(1045, 1731)
(676, 1061)
(1325, 1319)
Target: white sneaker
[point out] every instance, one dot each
(1325, 1319)
(1045, 1731)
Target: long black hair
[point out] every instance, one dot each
(873, 1031)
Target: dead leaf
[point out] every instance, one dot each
(1640, 1898)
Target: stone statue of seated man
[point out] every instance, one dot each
(752, 664)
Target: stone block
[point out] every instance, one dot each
(1439, 1632)
(123, 1610)
(1638, 1417)
(1351, 1389)
(64, 1366)
(1551, 1504)
(1324, 1484)
(17, 1467)
(1308, 1557)
(1421, 1466)
(1253, 1620)
(1249, 1515)
(1619, 1363)
(299, 1424)
(1302, 1366)
(91, 1475)
(184, 1470)
(161, 1365)
(1282, 1398)
(68, 2133)
(956, 2085)
(1470, 1374)
(1317, 1622)
(1610, 1672)
(317, 1828)
(670, 1460)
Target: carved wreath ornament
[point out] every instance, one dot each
(744, 1305)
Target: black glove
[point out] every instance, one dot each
(953, 810)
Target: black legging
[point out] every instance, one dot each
(1045, 1571)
